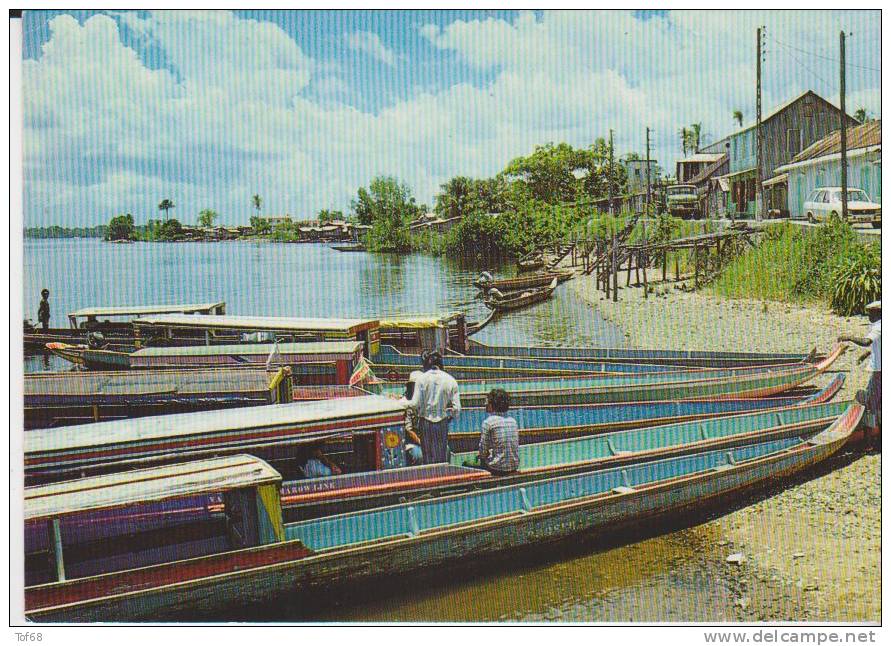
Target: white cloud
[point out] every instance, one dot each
(371, 44)
(243, 110)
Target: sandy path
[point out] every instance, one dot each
(812, 551)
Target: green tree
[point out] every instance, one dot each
(458, 198)
(165, 205)
(167, 230)
(862, 115)
(326, 215)
(120, 228)
(388, 206)
(685, 139)
(738, 117)
(260, 225)
(695, 133)
(549, 172)
(206, 218)
(257, 202)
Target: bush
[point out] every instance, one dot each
(856, 280)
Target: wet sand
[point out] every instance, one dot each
(812, 552)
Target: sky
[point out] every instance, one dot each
(124, 109)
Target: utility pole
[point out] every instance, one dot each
(648, 170)
(844, 127)
(609, 181)
(759, 187)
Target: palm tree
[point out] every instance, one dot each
(257, 201)
(695, 132)
(738, 117)
(861, 115)
(165, 205)
(685, 139)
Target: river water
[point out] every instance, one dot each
(306, 280)
(661, 578)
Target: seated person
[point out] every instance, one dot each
(318, 465)
(413, 454)
(500, 437)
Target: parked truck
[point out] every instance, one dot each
(681, 201)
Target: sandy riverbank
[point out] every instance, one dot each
(812, 552)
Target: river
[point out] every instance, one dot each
(306, 280)
(662, 578)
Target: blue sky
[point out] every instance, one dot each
(122, 109)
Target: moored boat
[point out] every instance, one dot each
(499, 302)
(692, 358)
(697, 384)
(338, 494)
(112, 322)
(523, 282)
(66, 398)
(371, 428)
(244, 553)
(321, 363)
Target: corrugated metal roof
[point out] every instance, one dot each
(702, 157)
(867, 134)
(147, 485)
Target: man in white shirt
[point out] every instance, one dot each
(872, 397)
(436, 403)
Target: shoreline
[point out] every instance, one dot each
(811, 551)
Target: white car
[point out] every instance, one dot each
(825, 203)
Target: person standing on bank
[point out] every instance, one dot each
(43, 312)
(872, 397)
(436, 402)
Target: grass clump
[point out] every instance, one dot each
(806, 265)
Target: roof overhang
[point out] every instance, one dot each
(778, 179)
(857, 152)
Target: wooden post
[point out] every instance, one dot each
(646, 259)
(664, 263)
(57, 549)
(628, 275)
(615, 272)
(696, 265)
(677, 269)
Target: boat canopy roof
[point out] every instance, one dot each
(147, 485)
(144, 310)
(320, 348)
(419, 321)
(183, 425)
(255, 323)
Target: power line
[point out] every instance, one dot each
(828, 58)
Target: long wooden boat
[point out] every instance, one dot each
(118, 332)
(321, 363)
(699, 384)
(303, 499)
(349, 248)
(244, 553)
(170, 327)
(524, 282)
(66, 398)
(545, 423)
(393, 365)
(499, 302)
(692, 358)
(374, 427)
(533, 263)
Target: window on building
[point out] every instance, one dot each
(793, 141)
